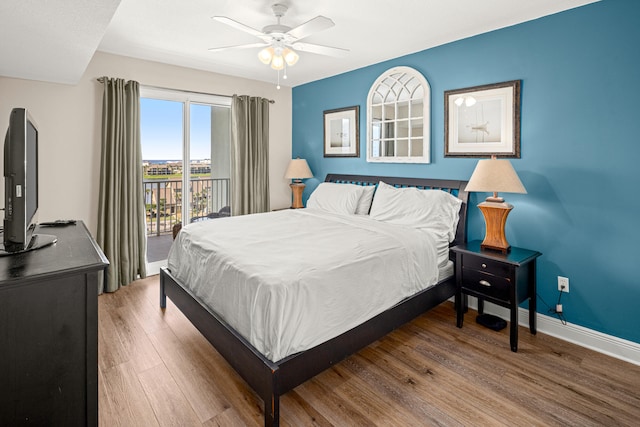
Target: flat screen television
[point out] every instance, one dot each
(21, 185)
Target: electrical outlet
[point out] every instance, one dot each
(563, 284)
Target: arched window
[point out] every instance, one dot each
(398, 111)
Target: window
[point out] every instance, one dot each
(398, 111)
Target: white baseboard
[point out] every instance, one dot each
(153, 268)
(619, 348)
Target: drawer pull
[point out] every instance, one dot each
(484, 265)
(484, 283)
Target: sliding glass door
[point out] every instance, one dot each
(186, 161)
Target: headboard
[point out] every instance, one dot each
(454, 187)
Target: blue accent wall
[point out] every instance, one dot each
(580, 148)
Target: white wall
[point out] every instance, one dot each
(69, 122)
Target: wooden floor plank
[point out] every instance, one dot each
(430, 390)
(110, 348)
(148, 315)
(300, 413)
(128, 403)
(207, 359)
(170, 405)
(133, 338)
(228, 418)
(195, 381)
(319, 392)
(428, 372)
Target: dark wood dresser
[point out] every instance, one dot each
(49, 331)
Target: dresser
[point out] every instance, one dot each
(49, 331)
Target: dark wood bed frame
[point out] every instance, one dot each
(271, 380)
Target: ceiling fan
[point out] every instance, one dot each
(280, 42)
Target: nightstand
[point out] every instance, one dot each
(503, 279)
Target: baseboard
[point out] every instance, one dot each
(619, 348)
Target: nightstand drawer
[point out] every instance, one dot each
(486, 284)
(485, 265)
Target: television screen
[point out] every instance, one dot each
(31, 196)
(21, 181)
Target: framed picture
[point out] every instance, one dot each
(482, 121)
(342, 132)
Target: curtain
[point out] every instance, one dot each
(121, 215)
(249, 155)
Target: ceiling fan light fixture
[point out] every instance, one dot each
(277, 63)
(278, 41)
(265, 55)
(290, 57)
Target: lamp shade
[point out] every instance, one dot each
(290, 57)
(265, 55)
(277, 63)
(495, 175)
(298, 169)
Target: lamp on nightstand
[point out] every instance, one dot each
(493, 176)
(297, 171)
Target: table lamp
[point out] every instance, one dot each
(493, 176)
(297, 170)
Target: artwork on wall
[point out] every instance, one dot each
(342, 132)
(482, 121)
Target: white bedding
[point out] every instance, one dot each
(292, 279)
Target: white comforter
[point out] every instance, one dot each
(290, 280)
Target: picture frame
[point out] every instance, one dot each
(483, 121)
(342, 132)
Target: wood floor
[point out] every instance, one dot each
(156, 369)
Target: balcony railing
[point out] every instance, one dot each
(163, 201)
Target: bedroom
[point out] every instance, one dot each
(579, 72)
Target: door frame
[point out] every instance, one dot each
(186, 98)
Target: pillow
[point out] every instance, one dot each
(433, 210)
(364, 204)
(416, 208)
(336, 198)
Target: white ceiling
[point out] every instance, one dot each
(51, 40)
(55, 40)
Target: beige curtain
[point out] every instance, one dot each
(249, 155)
(121, 216)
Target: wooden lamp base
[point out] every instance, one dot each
(297, 188)
(495, 217)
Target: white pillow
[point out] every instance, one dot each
(336, 198)
(364, 204)
(433, 210)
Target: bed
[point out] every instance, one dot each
(272, 371)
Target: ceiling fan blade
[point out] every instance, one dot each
(238, 25)
(240, 46)
(312, 26)
(321, 50)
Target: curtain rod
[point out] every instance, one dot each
(101, 80)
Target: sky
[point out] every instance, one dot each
(161, 130)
